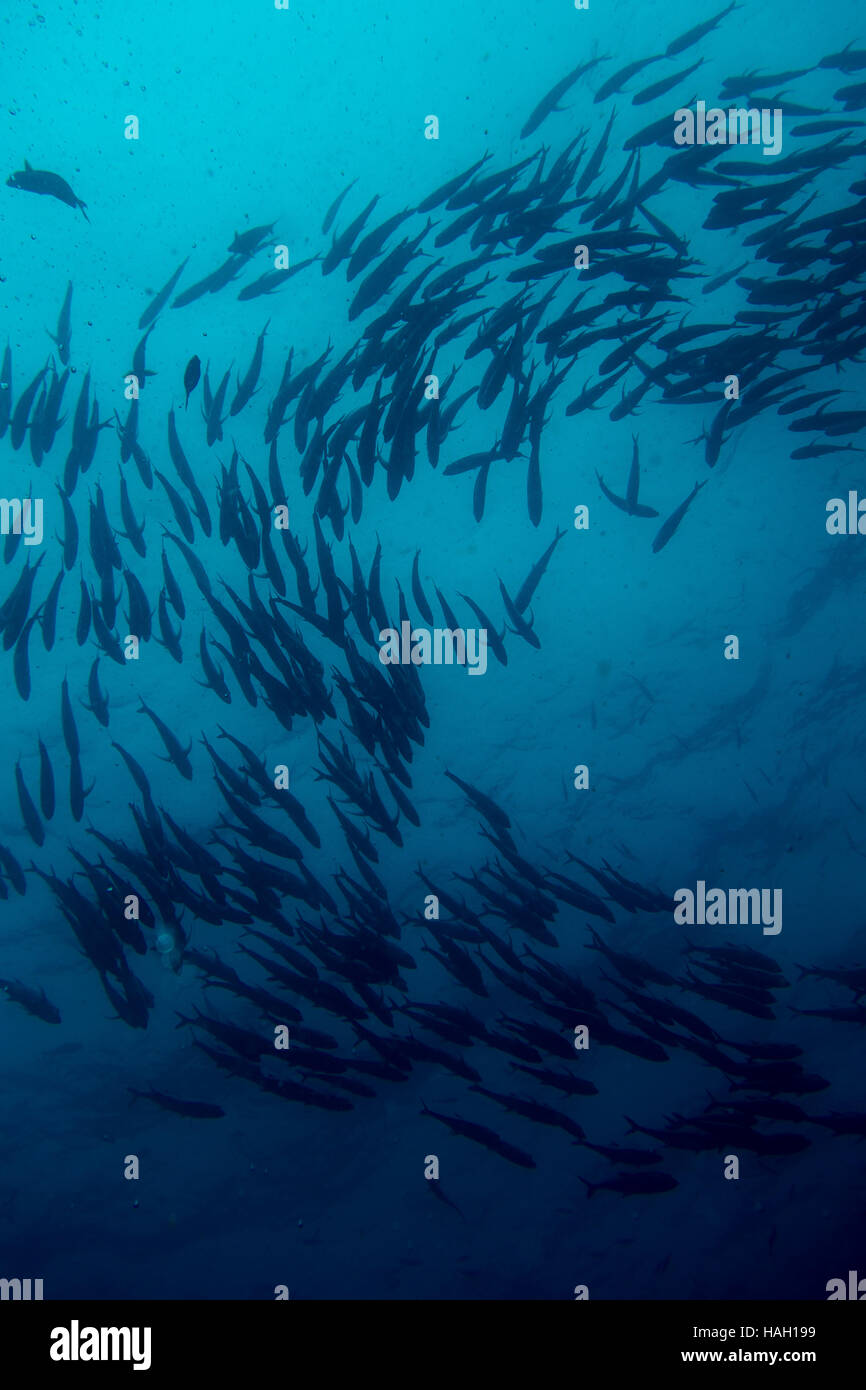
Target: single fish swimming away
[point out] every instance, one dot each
(667, 529)
(193, 1109)
(629, 504)
(32, 180)
(35, 1002)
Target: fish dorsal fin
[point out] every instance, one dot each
(27, 166)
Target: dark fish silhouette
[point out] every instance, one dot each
(35, 1002)
(629, 504)
(29, 814)
(194, 1109)
(61, 337)
(633, 1184)
(191, 377)
(42, 181)
(667, 529)
(335, 208)
(480, 1134)
(692, 36)
(249, 242)
(158, 303)
(549, 102)
(619, 78)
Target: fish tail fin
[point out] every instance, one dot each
(590, 1187)
(633, 1127)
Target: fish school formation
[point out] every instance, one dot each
(522, 275)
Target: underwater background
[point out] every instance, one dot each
(739, 773)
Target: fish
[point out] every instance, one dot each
(480, 1134)
(249, 242)
(174, 749)
(549, 103)
(98, 706)
(525, 593)
(34, 1002)
(217, 280)
(12, 870)
(434, 1186)
(134, 531)
(297, 643)
(29, 814)
(658, 89)
(159, 301)
(533, 1110)
(46, 782)
(139, 367)
(20, 420)
(328, 219)
(84, 615)
(668, 527)
(845, 60)
(70, 731)
(841, 1123)
(854, 978)
(49, 612)
(186, 475)
(77, 793)
(698, 32)
(633, 1184)
(274, 280)
(341, 246)
(623, 75)
(488, 808)
(62, 336)
(618, 1153)
(178, 507)
(373, 243)
(214, 678)
(629, 504)
(191, 376)
(193, 1109)
(246, 388)
(32, 180)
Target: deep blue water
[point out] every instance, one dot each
(739, 773)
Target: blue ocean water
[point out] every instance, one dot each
(737, 773)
